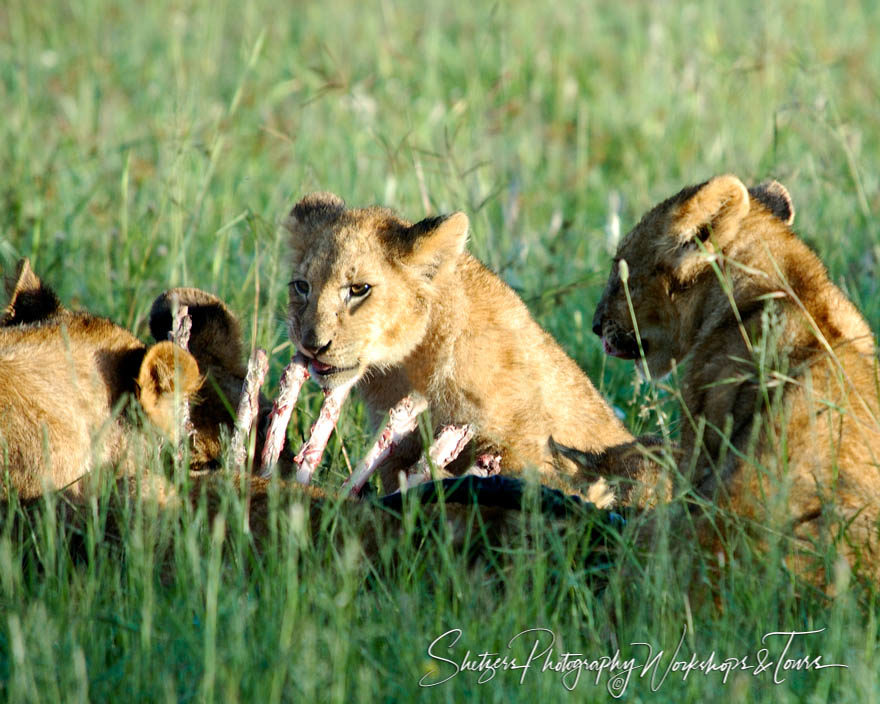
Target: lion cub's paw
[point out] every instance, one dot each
(601, 494)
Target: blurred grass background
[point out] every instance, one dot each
(146, 145)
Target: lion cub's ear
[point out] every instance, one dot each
(713, 212)
(776, 198)
(30, 300)
(164, 367)
(705, 217)
(435, 243)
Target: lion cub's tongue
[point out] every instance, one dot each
(320, 367)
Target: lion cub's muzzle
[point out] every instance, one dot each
(326, 370)
(329, 375)
(616, 342)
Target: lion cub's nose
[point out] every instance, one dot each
(311, 346)
(597, 322)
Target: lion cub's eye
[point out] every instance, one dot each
(359, 290)
(301, 287)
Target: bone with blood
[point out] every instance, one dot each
(309, 456)
(449, 444)
(403, 419)
(292, 380)
(258, 365)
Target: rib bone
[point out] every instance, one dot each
(448, 445)
(403, 419)
(181, 325)
(309, 455)
(258, 365)
(292, 379)
(486, 465)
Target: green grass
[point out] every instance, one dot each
(145, 145)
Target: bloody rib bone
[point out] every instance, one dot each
(486, 465)
(258, 365)
(402, 420)
(292, 379)
(181, 325)
(448, 445)
(309, 454)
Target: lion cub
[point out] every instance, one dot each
(781, 421)
(66, 377)
(403, 307)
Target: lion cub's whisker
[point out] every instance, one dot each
(448, 445)
(309, 455)
(292, 379)
(257, 367)
(403, 419)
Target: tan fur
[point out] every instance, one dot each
(62, 384)
(437, 322)
(717, 277)
(66, 379)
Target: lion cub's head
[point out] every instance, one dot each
(362, 283)
(668, 269)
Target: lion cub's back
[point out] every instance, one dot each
(64, 380)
